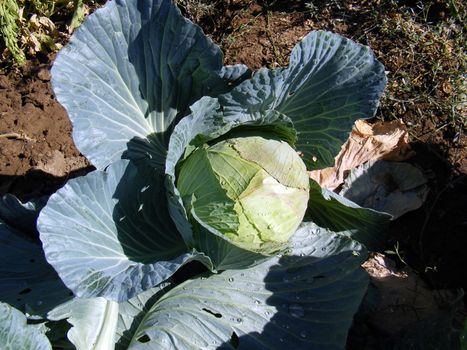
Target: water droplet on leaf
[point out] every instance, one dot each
(296, 310)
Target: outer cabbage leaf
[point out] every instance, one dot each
(132, 312)
(131, 70)
(109, 233)
(305, 300)
(27, 281)
(16, 334)
(338, 214)
(330, 82)
(94, 322)
(22, 216)
(224, 254)
(102, 324)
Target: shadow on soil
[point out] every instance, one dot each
(36, 183)
(431, 241)
(433, 238)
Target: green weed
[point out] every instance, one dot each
(9, 16)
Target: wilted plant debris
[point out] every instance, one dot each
(403, 311)
(367, 142)
(38, 26)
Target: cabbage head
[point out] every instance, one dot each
(252, 190)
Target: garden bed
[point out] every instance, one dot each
(422, 46)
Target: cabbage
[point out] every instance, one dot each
(196, 164)
(252, 190)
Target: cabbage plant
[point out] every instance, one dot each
(199, 227)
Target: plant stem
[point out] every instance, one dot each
(16, 136)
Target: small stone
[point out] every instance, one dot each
(44, 74)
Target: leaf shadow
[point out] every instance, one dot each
(144, 226)
(315, 300)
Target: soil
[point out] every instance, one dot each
(37, 154)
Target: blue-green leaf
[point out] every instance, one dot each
(224, 254)
(330, 82)
(131, 70)
(338, 214)
(109, 233)
(94, 322)
(102, 324)
(305, 300)
(132, 312)
(27, 281)
(16, 334)
(22, 216)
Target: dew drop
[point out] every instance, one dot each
(231, 279)
(297, 277)
(257, 302)
(303, 334)
(296, 310)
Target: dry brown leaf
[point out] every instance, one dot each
(39, 34)
(33, 44)
(382, 140)
(41, 23)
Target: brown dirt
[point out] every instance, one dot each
(37, 153)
